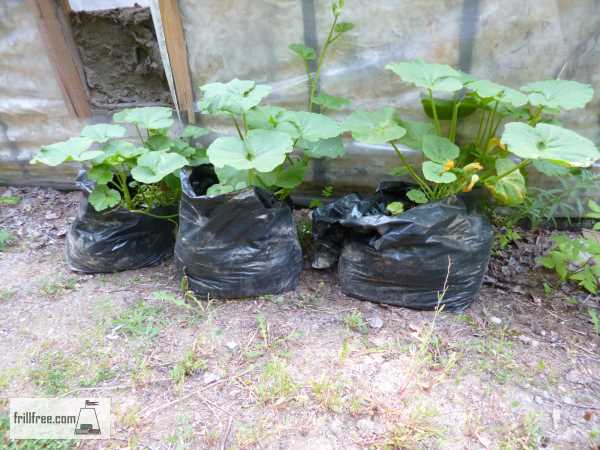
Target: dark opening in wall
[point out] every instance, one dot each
(121, 58)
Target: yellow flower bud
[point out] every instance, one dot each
(448, 165)
(473, 167)
(474, 179)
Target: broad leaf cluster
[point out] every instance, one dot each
(530, 135)
(273, 146)
(135, 173)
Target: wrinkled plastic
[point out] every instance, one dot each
(117, 239)
(404, 260)
(241, 244)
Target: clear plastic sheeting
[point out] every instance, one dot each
(32, 107)
(511, 42)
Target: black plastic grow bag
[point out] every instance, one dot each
(403, 260)
(241, 244)
(117, 239)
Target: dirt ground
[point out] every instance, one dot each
(310, 369)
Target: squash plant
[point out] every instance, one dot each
(138, 175)
(309, 54)
(262, 152)
(452, 164)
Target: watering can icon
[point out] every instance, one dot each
(87, 421)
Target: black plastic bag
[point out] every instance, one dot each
(241, 244)
(403, 260)
(117, 239)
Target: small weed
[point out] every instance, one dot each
(507, 237)
(139, 320)
(275, 383)
(54, 372)
(7, 294)
(328, 393)
(417, 430)
(30, 444)
(263, 329)
(355, 322)
(548, 289)
(190, 364)
(595, 320)
(101, 375)
(525, 434)
(51, 288)
(10, 200)
(183, 436)
(6, 238)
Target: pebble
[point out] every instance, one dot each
(231, 345)
(495, 320)
(375, 322)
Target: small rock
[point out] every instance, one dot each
(495, 320)
(368, 426)
(539, 400)
(375, 322)
(51, 215)
(210, 377)
(231, 345)
(573, 376)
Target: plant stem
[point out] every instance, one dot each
(492, 118)
(237, 127)
(244, 123)
(315, 79)
(122, 177)
(146, 213)
(438, 127)
(422, 183)
(140, 135)
(251, 177)
(454, 123)
(480, 129)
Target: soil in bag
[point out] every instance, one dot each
(404, 260)
(240, 244)
(117, 239)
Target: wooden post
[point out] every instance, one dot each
(178, 56)
(57, 36)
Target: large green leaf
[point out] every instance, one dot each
(417, 196)
(229, 176)
(491, 90)
(154, 166)
(306, 53)
(264, 117)
(549, 142)
(415, 132)
(100, 174)
(103, 197)
(102, 132)
(262, 150)
(374, 127)
(235, 97)
(435, 172)
(330, 101)
(193, 132)
(149, 117)
(559, 94)
(509, 190)
(437, 77)
(439, 149)
(325, 148)
(289, 177)
(311, 127)
(114, 152)
(74, 149)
